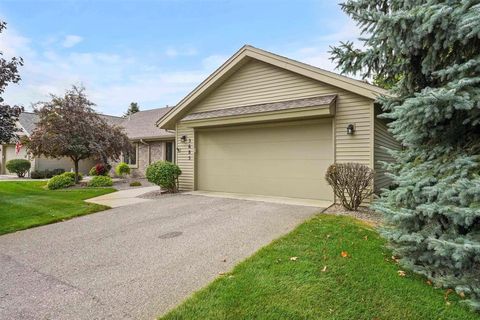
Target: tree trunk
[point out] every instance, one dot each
(75, 162)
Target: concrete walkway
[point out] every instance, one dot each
(123, 197)
(133, 262)
(271, 199)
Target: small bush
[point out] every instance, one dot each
(351, 183)
(18, 166)
(72, 175)
(46, 173)
(122, 169)
(100, 181)
(164, 174)
(135, 184)
(37, 174)
(58, 171)
(99, 169)
(60, 182)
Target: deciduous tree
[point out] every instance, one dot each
(69, 127)
(8, 114)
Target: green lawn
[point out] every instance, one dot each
(363, 285)
(26, 204)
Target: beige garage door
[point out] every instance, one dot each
(283, 159)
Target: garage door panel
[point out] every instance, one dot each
(273, 150)
(288, 160)
(265, 168)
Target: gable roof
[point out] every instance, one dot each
(246, 54)
(141, 125)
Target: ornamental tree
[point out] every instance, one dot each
(429, 52)
(8, 114)
(69, 127)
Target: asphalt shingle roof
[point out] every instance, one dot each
(265, 107)
(143, 124)
(137, 126)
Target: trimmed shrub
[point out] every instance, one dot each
(72, 175)
(351, 183)
(99, 169)
(122, 169)
(60, 182)
(18, 166)
(100, 181)
(164, 174)
(135, 184)
(37, 174)
(58, 171)
(46, 173)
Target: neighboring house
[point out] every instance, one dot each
(268, 125)
(26, 125)
(151, 143)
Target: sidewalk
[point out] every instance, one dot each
(123, 197)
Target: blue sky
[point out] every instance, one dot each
(155, 52)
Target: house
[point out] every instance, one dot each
(26, 125)
(151, 143)
(264, 124)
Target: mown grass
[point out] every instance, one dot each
(322, 284)
(27, 204)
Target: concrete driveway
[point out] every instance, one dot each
(133, 262)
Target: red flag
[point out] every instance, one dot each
(18, 146)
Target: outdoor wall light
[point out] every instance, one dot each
(350, 129)
(183, 138)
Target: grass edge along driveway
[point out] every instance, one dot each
(27, 204)
(330, 267)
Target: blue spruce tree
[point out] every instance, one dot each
(428, 51)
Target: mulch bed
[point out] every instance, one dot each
(363, 213)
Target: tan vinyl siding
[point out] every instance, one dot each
(185, 160)
(258, 82)
(383, 138)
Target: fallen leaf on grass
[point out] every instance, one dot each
(344, 254)
(293, 258)
(429, 282)
(461, 294)
(324, 269)
(394, 258)
(401, 273)
(446, 295)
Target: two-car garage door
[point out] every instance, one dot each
(286, 159)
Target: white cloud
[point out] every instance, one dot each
(71, 40)
(317, 53)
(112, 80)
(173, 52)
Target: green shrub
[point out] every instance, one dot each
(100, 181)
(135, 184)
(93, 171)
(58, 171)
(18, 166)
(60, 182)
(164, 174)
(37, 174)
(122, 169)
(72, 175)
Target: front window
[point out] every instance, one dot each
(130, 158)
(169, 154)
